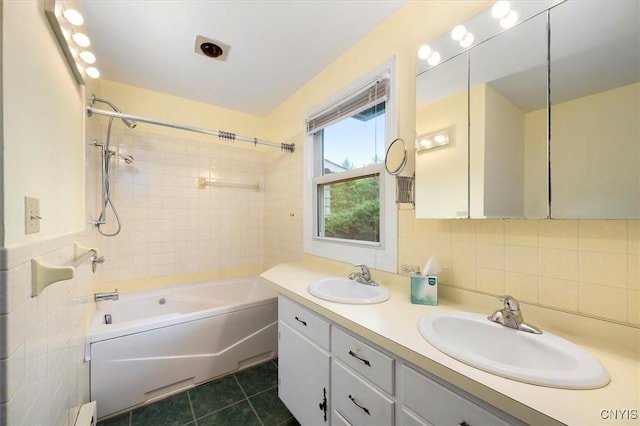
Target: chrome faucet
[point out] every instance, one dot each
(510, 316)
(95, 261)
(363, 276)
(99, 297)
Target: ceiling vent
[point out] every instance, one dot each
(211, 48)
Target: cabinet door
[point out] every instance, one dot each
(303, 377)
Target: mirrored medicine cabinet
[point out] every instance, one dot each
(539, 120)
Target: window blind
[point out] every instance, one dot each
(370, 95)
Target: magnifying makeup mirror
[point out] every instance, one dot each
(396, 157)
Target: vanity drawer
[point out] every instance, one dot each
(437, 404)
(357, 401)
(362, 358)
(304, 321)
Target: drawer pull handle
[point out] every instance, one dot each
(365, 409)
(303, 322)
(464, 423)
(366, 362)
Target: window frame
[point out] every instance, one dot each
(378, 255)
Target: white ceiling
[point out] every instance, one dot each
(276, 45)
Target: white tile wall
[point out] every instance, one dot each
(41, 354)
(169, 225)
(284, 205)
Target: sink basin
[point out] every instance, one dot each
(541, 359)
(344, 290)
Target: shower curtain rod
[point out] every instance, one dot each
(228, 136)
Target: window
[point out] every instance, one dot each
(345, 207)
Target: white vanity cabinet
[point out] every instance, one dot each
(303, 363)
(425, 402)
(327, 375)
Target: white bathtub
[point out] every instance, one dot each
(167, 340)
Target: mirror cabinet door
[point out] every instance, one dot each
(595, 114)
(508, 123)
(441, 181)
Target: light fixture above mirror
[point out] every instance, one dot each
(433, 140)
(66, 23)
(479, 28)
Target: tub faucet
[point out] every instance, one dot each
(510, 316)
(363, 276)
(99, 297)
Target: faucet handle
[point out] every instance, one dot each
(510, 303)
(364, 269)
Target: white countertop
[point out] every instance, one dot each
(393, 326)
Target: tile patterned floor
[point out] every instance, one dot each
(246, 398)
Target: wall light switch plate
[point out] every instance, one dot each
(31, 215)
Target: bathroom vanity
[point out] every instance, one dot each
(328, 375)
(368, 364)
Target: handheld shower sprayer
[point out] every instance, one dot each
(130, 123)
(107, 154)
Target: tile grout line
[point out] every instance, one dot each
(193, 413)
(248, 400)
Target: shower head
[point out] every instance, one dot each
(130, 123)
(128, 159)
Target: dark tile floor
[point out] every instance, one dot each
(246, 398)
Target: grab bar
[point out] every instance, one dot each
(43, 273)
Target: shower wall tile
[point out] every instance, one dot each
(169, 225)
(283, 205)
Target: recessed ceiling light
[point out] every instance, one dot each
(211, 48)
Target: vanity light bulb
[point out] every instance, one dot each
(93, 72)
(440, 139)
(434, 58)
(458, 32)
(500, 9)
(81, 39)
(467, 40)
(424, 52)
(509, 20)
(73, 17)
(88, 57)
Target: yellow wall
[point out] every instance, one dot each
(441, 173)
(596, 137)
(160, 106)
(43, 130)
(588, 267)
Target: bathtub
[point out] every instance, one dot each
(165, 341)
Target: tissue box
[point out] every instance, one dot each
(424, 290)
